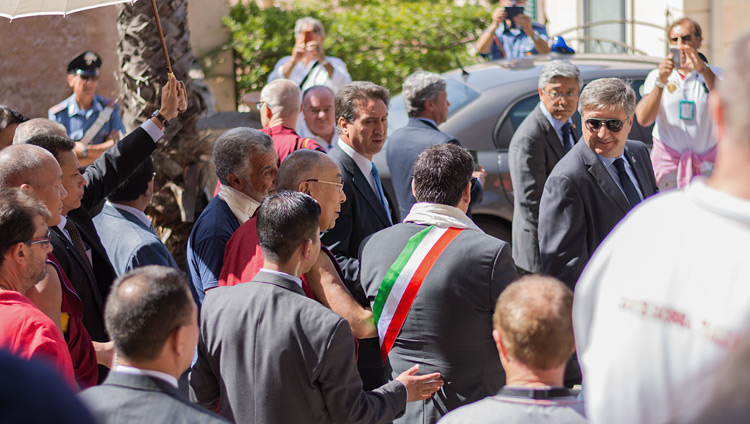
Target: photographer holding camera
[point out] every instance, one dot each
(512, 34)
(676, 98)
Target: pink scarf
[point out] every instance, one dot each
(687, 164)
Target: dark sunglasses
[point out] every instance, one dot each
(44, 241)
(613, 125)
(685, 39)
(89, 77)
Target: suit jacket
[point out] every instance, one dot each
(403, 147)
(268, 354)
(140, 247)
(581, 204)
(361, 215)
(534, 151)
(449, 326)
(127, 398)
(106, 173)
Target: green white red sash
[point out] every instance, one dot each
(403, 280)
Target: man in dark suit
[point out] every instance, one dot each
(269, 354)
(362, 117)
(448, 325)
(125, 230)
(595, 184)
(75, 241)
(153, 321)
(427, 104)
(537, 145)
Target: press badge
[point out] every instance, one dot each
(687, 110)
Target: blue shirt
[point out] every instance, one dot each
(205, 249)
(515, 42)
(77, 121)
(609, 165)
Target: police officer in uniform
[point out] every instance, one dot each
(92, 121)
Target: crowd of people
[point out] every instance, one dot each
(310, 295)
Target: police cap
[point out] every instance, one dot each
(86, 63)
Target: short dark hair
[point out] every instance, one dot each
(136, 184)
(9, 116)
(285, 220)
(441, 173)
(18, 209)
(353, 95)
(141, 320)
(53, 143)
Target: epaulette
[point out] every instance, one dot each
(536, 25)
(58, 107)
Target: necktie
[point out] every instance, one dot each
(379, 191)
(567, 145)
(75, 236)
(627, 184)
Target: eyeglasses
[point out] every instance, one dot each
(259, 105)
(557, 96)
(613, 125)
(44, 241)
(685, 39)
(339, 185)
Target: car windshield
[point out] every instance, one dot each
(459, 95)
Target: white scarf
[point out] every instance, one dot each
(441, 216)
(242, 206)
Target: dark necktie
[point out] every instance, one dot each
(627, 184)
(567, 145)
(75, 236)
(379, 191)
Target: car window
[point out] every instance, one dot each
(459, 95)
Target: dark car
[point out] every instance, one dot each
(490, 101)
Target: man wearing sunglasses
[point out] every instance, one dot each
(91, 120)
(593, 186)
(676, 99)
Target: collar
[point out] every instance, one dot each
(242, 206)
(284, 275)
(428, 120)
(364, 164)
(607, 162)
(125, 369)
(61, 225)
(442, 216)
(536, 393)
(280, 129)
(73, 107)
(556, 124)
(138, 213)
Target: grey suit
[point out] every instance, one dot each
(269, 354)
(126, 398)
(534, 151)
(581, 204)
(129, 242)
(403, 147)
(449, 326)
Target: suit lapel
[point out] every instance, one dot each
(73, 253)
(552, 139)
(362, 185)
(641, 173)
(602, 177)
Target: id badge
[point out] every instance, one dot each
(687, 110)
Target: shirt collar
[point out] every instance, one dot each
(242, 206)
(63, 221)
(125, 369)
(74, 109)
(283, 274)
(138, 213)
(610, 161)
(557, 125)
(440, 215)
(364, 164)
(428, 120)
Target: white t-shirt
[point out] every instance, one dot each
(661, 303)
(682, 135)
(318, 76)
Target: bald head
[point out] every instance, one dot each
(534, 318)
(283, 97)
(38, 126)
(302, 165)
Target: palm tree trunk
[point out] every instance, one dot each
(182, 160)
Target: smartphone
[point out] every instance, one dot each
(308, 36)
(676, 57)
(475, 156)
(511, 12)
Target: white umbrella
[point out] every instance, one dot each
(13, 9)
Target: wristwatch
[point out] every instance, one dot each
(659, 83)
(159, 116)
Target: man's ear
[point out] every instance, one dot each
(177, 341)
(307, 249)
(235, 182)
(304, 187)
(344, 125)
(71, 77)
(413, 190)
(499, 342)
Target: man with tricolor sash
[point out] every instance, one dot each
(433, 282)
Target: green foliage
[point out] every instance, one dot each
(381, 41)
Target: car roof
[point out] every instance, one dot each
(485, 76)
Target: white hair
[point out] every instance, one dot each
(420, 87)
(282, 96)
(559, 68)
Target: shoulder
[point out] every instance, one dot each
(637, 147)
(535, 123)
(539, 27)
(335, 61)
(62, 106)
(481, 411)
(105, 102)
